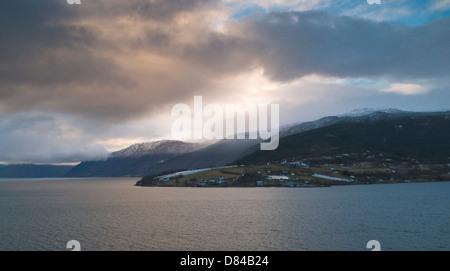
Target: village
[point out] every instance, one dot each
(342, 169)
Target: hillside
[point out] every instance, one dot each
(219, 154)
(227, 152)
(134, 160)
(421, 136)
(399, 133)
(377, 148)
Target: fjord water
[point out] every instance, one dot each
(112, 214)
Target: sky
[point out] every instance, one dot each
(80, 81)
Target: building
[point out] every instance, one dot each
(277, 177)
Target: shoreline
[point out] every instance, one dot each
(288, 187)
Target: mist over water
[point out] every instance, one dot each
(112, 214)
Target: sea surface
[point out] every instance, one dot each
(113, 214)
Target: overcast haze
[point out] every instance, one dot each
(79, 81)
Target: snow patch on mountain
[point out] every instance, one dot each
(368, 111)
(157, 147)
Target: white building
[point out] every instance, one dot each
(276, 177)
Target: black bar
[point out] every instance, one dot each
(263, 261)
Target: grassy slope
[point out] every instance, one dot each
(422, 138)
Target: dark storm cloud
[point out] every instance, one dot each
(38, 47)
(221, 55)
(54, 56)
(298, 44)
(153, 10)
(167, 9)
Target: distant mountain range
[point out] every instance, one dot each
(33, 171)
(423, 135)
(135, 160)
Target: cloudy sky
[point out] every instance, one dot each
(79, 81)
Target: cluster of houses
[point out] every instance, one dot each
(281, 177)
(294, 164)
(213, 181)
(364, 155)
(287, 177)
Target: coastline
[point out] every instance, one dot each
(302, 174)
(287, 187)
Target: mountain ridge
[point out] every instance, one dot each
(131, 162)
(156, 147)
(417, 135)
(134, 160)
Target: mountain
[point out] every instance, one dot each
(33, 171)
(134, 160)
(306, 126)
(165, 156)
(421, 136)
(219, 154)
(358, 115)
(368, 111)
(226, 152)
(158, 147)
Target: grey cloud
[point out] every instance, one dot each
(39, 50)
(221, 55)
(38, 137)
(167, 9)
(297, 44)
(290, 45)
(148, 10)
(48, 62)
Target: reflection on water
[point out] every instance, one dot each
(112, 214)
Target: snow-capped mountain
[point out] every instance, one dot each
(169, 155)
(134, 160)
(368, 111)
(420, 136)
(158, 147)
